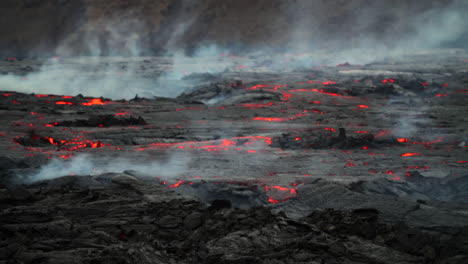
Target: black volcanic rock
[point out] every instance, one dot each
(105, 222)
(105, 120)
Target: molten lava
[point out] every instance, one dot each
(94, 101)
(410, 154)
(63, 103)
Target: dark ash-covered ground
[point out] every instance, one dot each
(259, 162)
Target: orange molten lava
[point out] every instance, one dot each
(63, 103)
(410, 154)
(94, 101)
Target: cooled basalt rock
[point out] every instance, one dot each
(107, 222)
(227, 93)
(105, 120)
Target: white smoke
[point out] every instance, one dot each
(86, 164)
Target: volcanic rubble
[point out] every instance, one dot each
(332, 164)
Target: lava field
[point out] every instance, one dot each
(254, 163)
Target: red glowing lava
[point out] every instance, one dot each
(403, 140)
(279, 86)
(94, 101)
(417, 168)
(270, 119)
(275, 192)
(66, 156)
(322, 91)
(329, 83)
(410, 154)
(286, 96)
(177, 184)
(255, 87)
(213, 145)
(62, 145)
(388, 81)
(63, 103)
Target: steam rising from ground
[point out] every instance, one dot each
(116, 77)
(372, 31)
(85, 164)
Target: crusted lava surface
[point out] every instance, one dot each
(252, 164)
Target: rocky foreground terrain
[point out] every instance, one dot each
(252, 161)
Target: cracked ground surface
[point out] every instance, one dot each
(319, 144)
